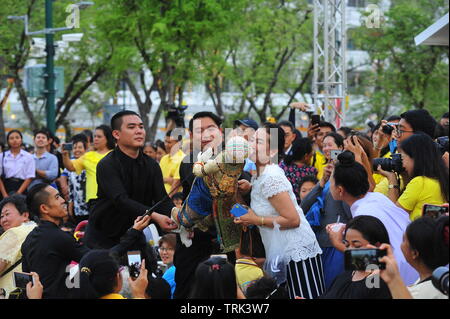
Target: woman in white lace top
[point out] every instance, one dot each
(272, 199)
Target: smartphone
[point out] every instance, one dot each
(334, 154)
(68, 146)
(21, 279)
(434, 211)
(134, 263)
(315, 119)
(238, 210)
(360, 259)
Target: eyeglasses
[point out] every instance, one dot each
(400, 131)
(163, 249)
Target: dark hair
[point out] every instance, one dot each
(98, 271)
(420, 121)
(178, 195)
(347, 130)
(444, 116)
(199, 115)
(37, 196)
(393, 118)
(288, 124)
(110, 141)
(366, 144)
(170, 239)
(351, 175)
(116, 120)
(371, 228)
(327, 124)
(80, 138)
(338, 139)
(89, 135)
(214, 279)
(300, 148)
(157, 288)
(308, 178)
(161, 145)
(427, 160)
(426, 236)
(386, 149)
(280, 138)
(42, 131)
(19, 201)
(266, 288)
(11, 132)
(151, 144)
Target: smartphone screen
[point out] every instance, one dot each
(21, 279)
(134, 263)
(68, 146)
(434, 211)
(334, 154)
(360, 259)
(315, 119)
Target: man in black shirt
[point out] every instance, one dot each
(205, 133)
(129, 183)
(48, 250)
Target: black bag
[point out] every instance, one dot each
(251, 244)
(12, 185)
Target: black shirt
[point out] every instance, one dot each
(127, 187)
(48, 251)
(344, 288)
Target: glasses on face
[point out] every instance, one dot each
(165, 249)
(399, 131)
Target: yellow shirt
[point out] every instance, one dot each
(319, 164)
(419, 191)
(247, 272)
(89, 163)
(170, 167)
(383, 186)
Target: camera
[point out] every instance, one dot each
(389, 128)
(440, 279)
(361, 259)
(442, 144)
(176, 114)
(393, 164)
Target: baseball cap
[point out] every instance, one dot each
(247, 122)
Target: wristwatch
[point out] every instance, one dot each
(391, 186)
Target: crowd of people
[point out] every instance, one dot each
(71, 214)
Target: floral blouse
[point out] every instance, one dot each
(295, 174)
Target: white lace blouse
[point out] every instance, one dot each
(301, 243)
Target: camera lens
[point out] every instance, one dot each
(387, 129)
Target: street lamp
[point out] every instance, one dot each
(49, 75)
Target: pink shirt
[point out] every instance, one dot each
(21, 166)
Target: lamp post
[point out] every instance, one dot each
(49, 88)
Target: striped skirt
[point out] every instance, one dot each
(305, 278)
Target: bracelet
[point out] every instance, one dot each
(262, 221)
(393, 186)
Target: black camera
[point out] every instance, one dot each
(176, 114)
(442, 144)
(440, 279)
(389, 128)
(393, 164)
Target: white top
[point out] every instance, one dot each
(21, 166)
(395, 220)
(425, 290)
(301, 242)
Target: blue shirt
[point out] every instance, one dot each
(47, 163)
(169, 276)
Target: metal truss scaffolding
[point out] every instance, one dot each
(330, 44)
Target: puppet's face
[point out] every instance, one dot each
(236, 150)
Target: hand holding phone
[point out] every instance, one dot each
(334, 154)
(434, 211)
(315, 119)
(21, 279)
(238, 210)
(68, 146)
(134, 263)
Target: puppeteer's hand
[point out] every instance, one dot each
(244, 187)
(165, 222)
